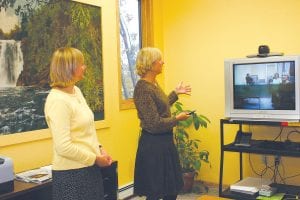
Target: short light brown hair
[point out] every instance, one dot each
(63, 65)
(145, 59)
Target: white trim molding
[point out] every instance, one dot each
(126, 191)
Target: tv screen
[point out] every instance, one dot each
(264, 86)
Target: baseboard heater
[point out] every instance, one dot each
(126, 191)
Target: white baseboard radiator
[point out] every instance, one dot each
(126, 191)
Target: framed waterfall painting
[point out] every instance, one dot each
(30, 31)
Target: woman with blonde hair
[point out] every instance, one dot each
(157, 168)
(76, 154)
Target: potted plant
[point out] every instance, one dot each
(189, 152)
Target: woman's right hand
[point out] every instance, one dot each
(182, 116)
(103, 160)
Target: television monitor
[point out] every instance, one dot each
(265, 88)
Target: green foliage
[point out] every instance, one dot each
(188, 149)
(50, 24)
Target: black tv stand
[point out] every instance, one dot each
(290, 149)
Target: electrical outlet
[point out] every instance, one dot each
(264, 159)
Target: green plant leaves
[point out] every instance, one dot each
(196, 121)
(204, 156)
(188, 149)
(197, 164)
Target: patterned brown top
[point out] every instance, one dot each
(153, 107)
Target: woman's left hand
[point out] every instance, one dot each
(181, 89)
(104, 153)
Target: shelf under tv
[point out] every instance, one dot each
(287, 149)
(289, 190)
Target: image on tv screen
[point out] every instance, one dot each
(264, 86)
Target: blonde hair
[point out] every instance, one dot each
(145, 59)
(63, 65)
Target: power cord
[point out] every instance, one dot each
(279, 134)
(293, 131)
(292, 176)
(277, 173)
(263, 171)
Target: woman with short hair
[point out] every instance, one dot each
(157, 168)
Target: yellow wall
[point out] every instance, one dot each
(120, 136)
(199, 34)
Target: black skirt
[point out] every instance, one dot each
(78, 184)
(157, 167)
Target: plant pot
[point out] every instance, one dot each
(188, 179)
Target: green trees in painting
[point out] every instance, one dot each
(49, 24)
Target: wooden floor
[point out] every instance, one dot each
(208, 197)
(190, 197)
(212, 194)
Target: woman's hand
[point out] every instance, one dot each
(181, 89)
(182, 116)
(104, 159)
(103, 151)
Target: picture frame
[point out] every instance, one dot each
(44, 133)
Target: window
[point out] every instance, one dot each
(135, 25)
(130, 43)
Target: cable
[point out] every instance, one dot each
(278, 173)
(275, 168)
(279, 135)
(283, 170)
(293, 176)
(293, 131)
(263, 171)
(274, 175)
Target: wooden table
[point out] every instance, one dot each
(43, 191)
(27, 191)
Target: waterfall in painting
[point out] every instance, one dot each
(11, 62)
